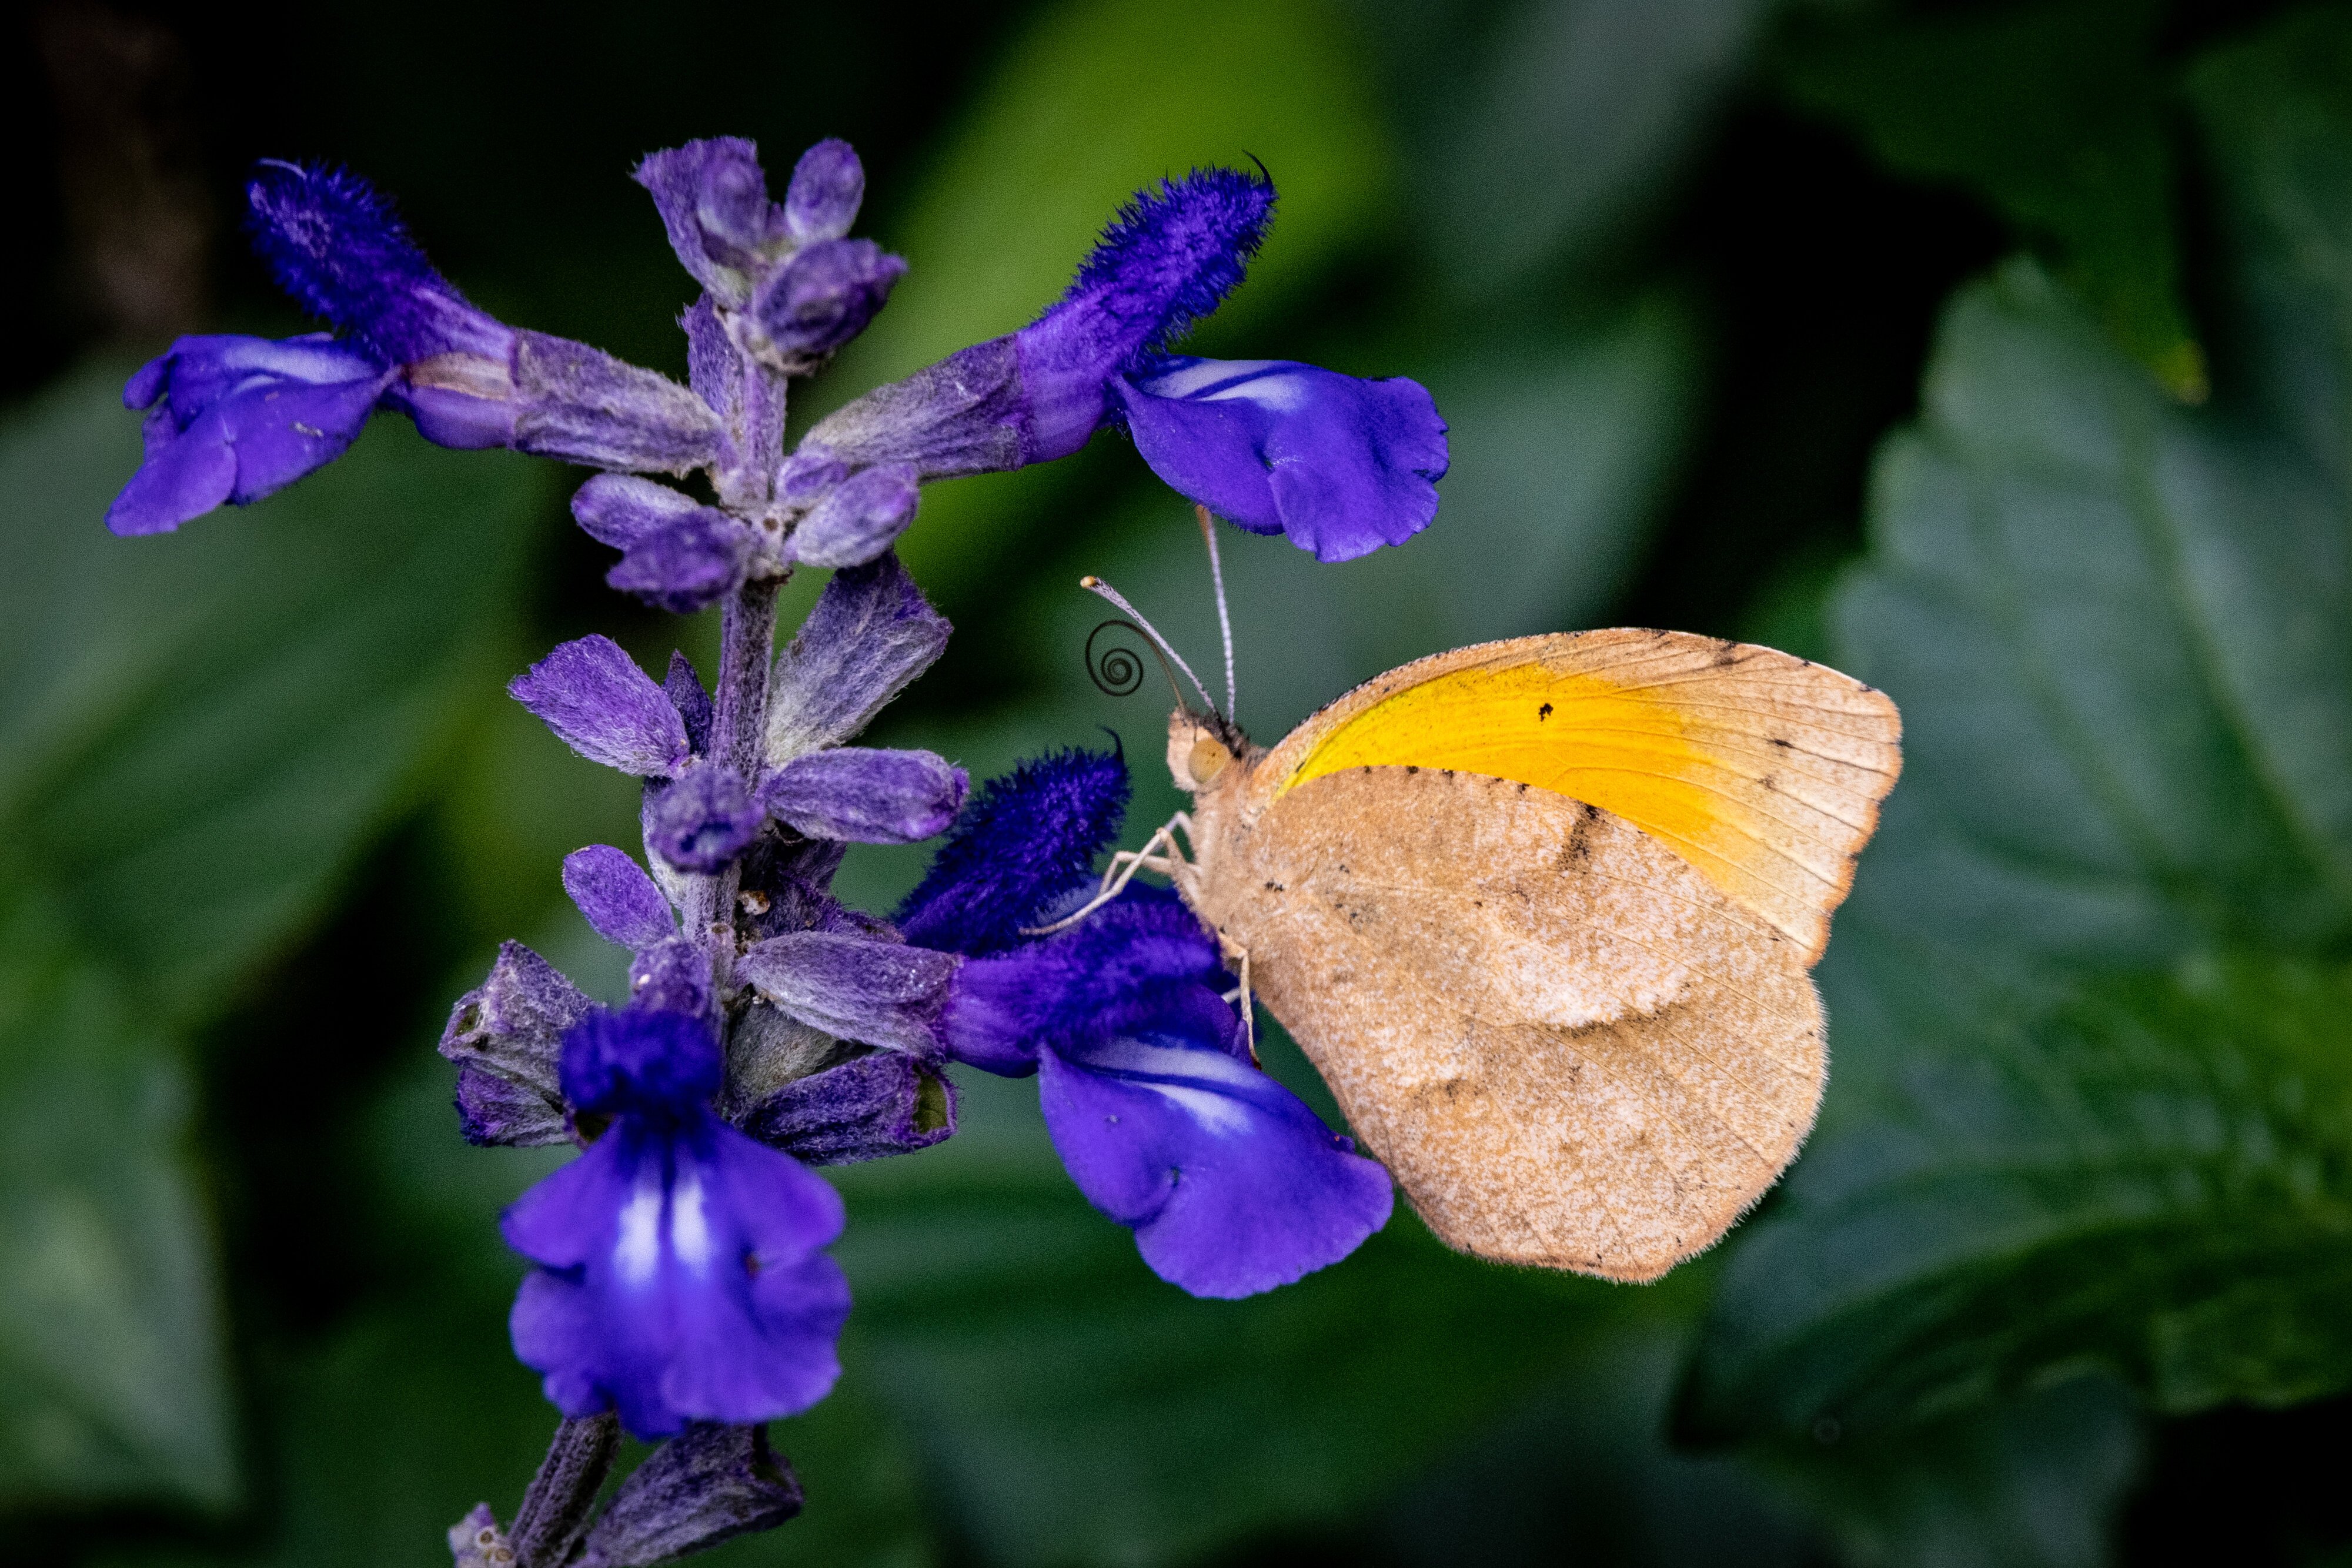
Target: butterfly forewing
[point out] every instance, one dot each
(1762, 769)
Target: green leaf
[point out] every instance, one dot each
(197, 735)
(2094, 1100)
(1090, 103)
(111, 1381)
(198, 730)
(2052, 114)
(2034, 1482)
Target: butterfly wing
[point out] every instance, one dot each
(1762, 769)
(1569, 1047)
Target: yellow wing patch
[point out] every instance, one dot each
(1762, 771)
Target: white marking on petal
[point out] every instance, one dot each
(1279, 392)
(689, 1230)
(1124, 1055)
(637, 1253)
(1188, 380)
(1215, 1113)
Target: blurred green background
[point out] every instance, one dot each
(2000, 354)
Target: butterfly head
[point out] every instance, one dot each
(1202, 750)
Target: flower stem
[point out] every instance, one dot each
(554, 1511)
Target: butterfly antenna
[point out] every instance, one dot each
(1224, 616)
(1097, 585)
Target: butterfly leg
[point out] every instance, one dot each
(1241, 994)
(1160, 854)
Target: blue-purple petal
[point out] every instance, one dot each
(1231, 1183)
(679, 1279)
(237, 418)
(1117, 969)
(1341, 466)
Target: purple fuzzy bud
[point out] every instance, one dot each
(683, 689)
(825, 296)
(855, 988)
(702, 822)
(878, 1104)
(828, 184)
(870, 797)
(505, 1036)
(870, 634)
(860, 520)
(620, 509)
(809, 472)
(714, 205)
(619, 901)
(688, 563)
(597, 701)
(672, 976)
(1030, 840)
(711, 1483)
(582, 404)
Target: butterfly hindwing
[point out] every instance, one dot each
(1569, 1047)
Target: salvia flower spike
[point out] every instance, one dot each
(679, 1284)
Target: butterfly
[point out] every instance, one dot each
(1543, 913)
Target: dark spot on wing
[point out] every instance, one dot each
(1726, 652)
(1783, 745)
(1771, 781)
(1579, 846)
(1274, 887)
(1543, 713)
(1410, 769)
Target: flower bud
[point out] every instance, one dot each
(825, 296)
(828, 184)
(859, 519)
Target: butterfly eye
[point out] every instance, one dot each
(1208, 760)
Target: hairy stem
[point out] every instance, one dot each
(554, 1511)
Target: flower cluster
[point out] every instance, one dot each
(680, 1282)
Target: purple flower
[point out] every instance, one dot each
(680, 1273)
(233, 419)
(1231, 1183)
(237, 418)
(1341, 465)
